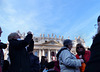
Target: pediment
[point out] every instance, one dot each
(52, 43)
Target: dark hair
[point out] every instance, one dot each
(88, 48)
(43, 59)
(67, 42)
(98, 20)
(50, 65)
(80, 46)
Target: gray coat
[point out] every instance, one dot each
(68, 62)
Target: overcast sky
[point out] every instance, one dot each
(71, 18)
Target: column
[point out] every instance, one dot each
(39, 54)
(56, 51)
(43, 52)
(49, 59)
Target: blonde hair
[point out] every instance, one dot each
(12, 35)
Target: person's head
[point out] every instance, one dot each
(88, 48)
(50, 65)
(80, 49)
(13, 35)
(98, 21)
(52, 53)
(44, 59)
(0, 31)
(67, 43)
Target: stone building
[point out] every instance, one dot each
(49, 45)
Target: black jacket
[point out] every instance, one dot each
(2, 45)
(35, 66)
(94, 62)
(19, 57)
(34, 60)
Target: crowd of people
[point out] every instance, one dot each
(22, 58)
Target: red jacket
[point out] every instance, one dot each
(56, 66)
(86, 59)
(86, 56)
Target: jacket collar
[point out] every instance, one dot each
(66, 48)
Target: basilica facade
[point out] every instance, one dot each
(48, 45)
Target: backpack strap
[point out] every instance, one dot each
(60, 52)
